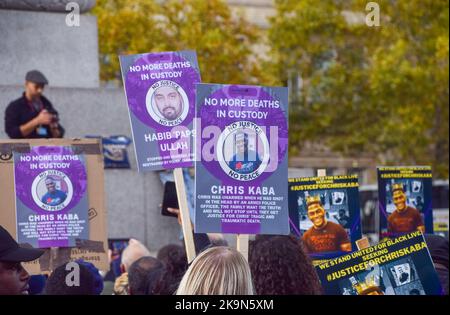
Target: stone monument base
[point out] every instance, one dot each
(68, 56)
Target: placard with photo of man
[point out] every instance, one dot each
(398, 266)
(324, 212)
(405, 200)
(160, 93)
(51, 196)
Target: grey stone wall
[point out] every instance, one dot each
(46, 5)
(68, 56)
(132, 198)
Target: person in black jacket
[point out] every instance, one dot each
(32, 115)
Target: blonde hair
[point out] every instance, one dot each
(133, 252)
(217, 271)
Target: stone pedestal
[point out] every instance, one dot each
(68, 56)
(47, 5)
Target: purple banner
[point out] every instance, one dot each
(160, 91)
(241, 159)
(51, 197)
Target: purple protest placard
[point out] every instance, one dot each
(241, 159)
(51, 197)
(160, 91)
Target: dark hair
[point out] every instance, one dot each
(145, 276)
(57, 282)
(219, 242)
(279, 265)
(174, 257)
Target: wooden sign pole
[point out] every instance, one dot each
(242, 244)
(321, 172)
(184, 213)
(53, 257)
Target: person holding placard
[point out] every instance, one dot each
(32, 115)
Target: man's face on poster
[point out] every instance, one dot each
(169, 102)
(50, 186)
(399, 199)
(241, 146)
(316, 213)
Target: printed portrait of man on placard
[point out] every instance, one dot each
(53, 196)
(324, 235)
(168, 102)
(244, 160)
(404, 218)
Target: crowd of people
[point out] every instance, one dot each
(277, 265)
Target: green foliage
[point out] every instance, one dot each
(223, 42)
(381, 91)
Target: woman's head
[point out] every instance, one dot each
(217, 271)
(174, 258)
(279, 265)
